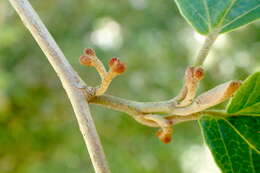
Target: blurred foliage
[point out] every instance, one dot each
(38, 130)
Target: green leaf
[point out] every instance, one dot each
(234, 142)
(247, 99)
(207, 16)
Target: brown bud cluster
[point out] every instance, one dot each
(90, 52)
(196, 73)
(116, 66)
(164, 137)
(88, 58)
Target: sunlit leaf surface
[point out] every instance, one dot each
(235, 141)
(223, 15)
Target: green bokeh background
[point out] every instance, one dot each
(38, 129)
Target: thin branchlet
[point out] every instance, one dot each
(184, 107)
(204, 101)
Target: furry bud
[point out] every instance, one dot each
(86, 60)
(117, 66)
(89, 52)
(198, 73)
(165, 138)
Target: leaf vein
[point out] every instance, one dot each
(205, 3)
(249, 96)
(196, 11)
(242, 15)
(224, 144)
(226, 12)
(251, 160)
(242, 136)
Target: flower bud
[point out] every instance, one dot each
(89, 52)
(86, 60)
(164, 137)
(112, 62)
(117, 66)
(198, 73)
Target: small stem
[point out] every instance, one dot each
(106, 80)
(100, 68)
(204, 51)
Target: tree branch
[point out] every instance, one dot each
(69, 78)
